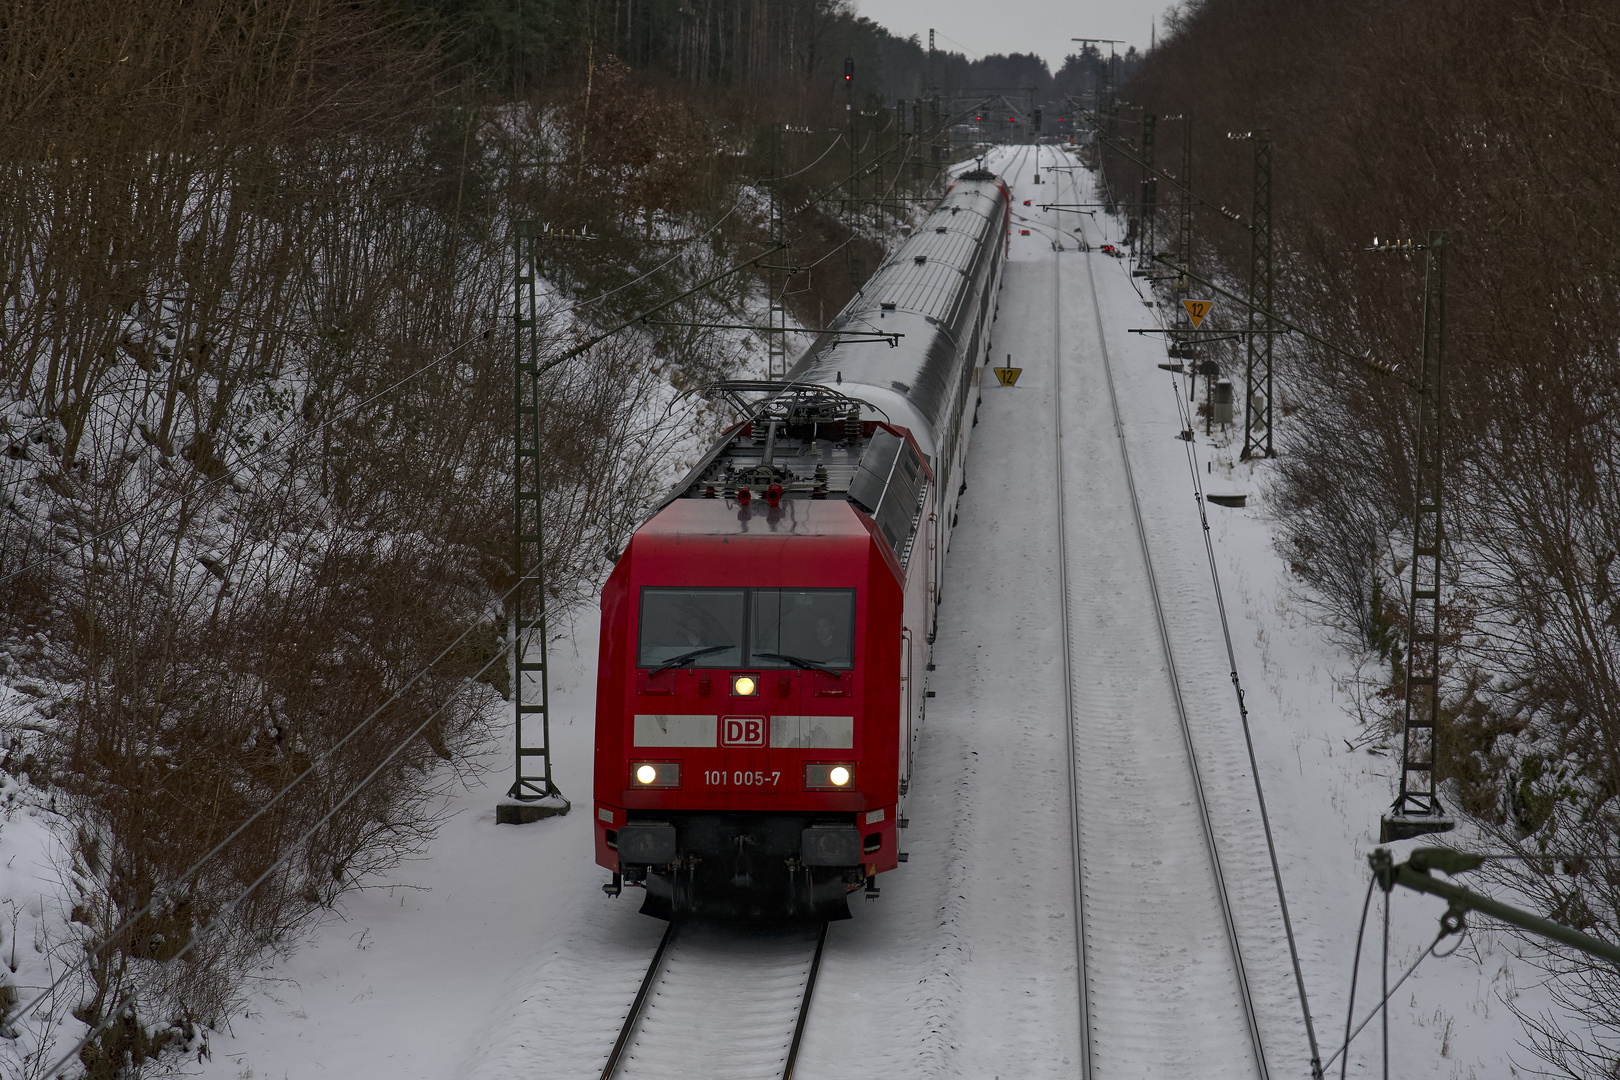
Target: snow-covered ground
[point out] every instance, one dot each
(496, 955)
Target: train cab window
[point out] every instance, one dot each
(703, 626)
(805, 625)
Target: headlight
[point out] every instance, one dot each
(829, 776)
(744, 685)
(655, 774)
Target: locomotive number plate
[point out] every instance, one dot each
(741, 778)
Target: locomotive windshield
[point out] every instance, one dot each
(814, 626)
(781, 627)
(702, 622)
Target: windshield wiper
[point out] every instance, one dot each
(802, 664)
(677, 661)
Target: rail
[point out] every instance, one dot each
(1245, 996)
(1068, 681)
(634, 1015)
(655, 975)
(1088, 1036)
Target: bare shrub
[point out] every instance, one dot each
(257, 413)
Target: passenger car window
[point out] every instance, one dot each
(816, 625)
(707, 622)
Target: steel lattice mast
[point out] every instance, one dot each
(526, 609)
(1417, 808)
(1257, 370)
(1149, 196)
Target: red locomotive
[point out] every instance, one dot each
(766, 631)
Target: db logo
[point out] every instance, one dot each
(742, 731)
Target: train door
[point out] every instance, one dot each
(907, 691)
(935, 555)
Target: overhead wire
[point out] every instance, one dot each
(853, 236)
(321, 758)
(316, 760)
(945, 122)
(800, 172)
(1184, 410)
(127, 999)
(200, 489)
(270, 444)
(1077, 852)
(1355, 973)
(1245, 994)
(1318, 1066)
(830, 254)
(273, 442)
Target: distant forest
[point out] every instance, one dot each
(756, 59)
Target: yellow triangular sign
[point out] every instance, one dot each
(1008, 375)
(1197, 309)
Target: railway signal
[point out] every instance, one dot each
(1197, 309)
(1008, 375)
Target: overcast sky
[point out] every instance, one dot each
(1043, 27)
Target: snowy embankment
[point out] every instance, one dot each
(496, 956)
(1325, 793)
(35, 914)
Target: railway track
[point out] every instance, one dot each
(722, 1002)
(1150, 1003)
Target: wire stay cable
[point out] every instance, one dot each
(1382, 1006)
(1384, 970)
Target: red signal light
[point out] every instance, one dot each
(1012, 119)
